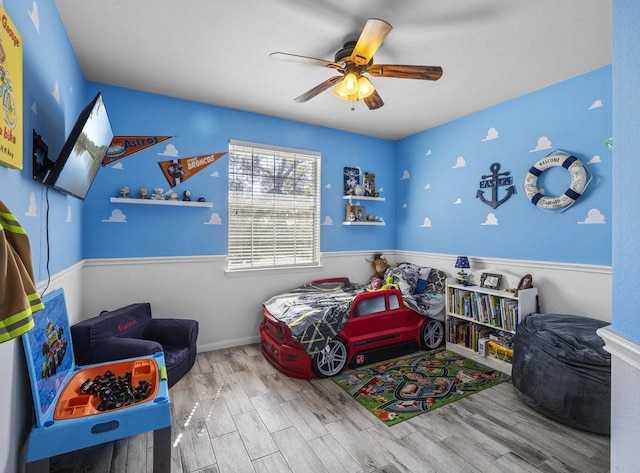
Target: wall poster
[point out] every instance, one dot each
(11, 132)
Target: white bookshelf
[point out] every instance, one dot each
(526, 302)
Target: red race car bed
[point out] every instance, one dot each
(322, 327)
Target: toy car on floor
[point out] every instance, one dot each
(322, 327)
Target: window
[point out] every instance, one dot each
(274, 207)
(394, 303)
(372, 305)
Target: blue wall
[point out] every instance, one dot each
(430, 205)
(54, 93)
(442, 169)
(626, 169)
(144, 230)
(431, 178)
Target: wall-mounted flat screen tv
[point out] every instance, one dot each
(81, 156)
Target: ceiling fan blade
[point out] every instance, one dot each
(372, 36)
(374, 101)
(405, 72)
(305, 60)
(308, 95)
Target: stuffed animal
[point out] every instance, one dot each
(389, 284)
(380, 265)
(375, 284)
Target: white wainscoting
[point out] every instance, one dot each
(228, 305)
(563, 288)
(625, 416)
(70, 280)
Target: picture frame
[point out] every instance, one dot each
(490, 280)
(355, 213)
(360, 213)
(526, 282)
(351, 177)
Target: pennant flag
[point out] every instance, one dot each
(123, 146)
(180, 169)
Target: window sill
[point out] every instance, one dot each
(232, 273)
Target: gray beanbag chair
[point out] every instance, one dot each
(561, 370)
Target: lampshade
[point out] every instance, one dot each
(365, 87)
(341, 91)
(350, 82)
(353, 87)
(462, 262)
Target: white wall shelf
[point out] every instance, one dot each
(362, 197)
(180, 203)
(380, 224)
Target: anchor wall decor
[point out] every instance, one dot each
(493, 181)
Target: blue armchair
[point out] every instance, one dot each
(130, 332)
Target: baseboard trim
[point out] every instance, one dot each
(620, 346)
(229, 343)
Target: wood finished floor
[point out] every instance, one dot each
(235, 413)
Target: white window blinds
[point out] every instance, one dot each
(274, 207)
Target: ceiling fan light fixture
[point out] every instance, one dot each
(365, 87)
(340, 91)
(350, 82)
(356, 59)
(346, 89)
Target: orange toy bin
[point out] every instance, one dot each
(73, 403)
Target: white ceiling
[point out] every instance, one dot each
(217, 52)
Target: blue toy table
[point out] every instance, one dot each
(68, 419)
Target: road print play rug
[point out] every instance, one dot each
(402, 388)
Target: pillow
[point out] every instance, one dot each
(436, 282)
(423, 280)
(421, 285)
(405, 275)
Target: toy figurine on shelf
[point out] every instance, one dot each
(124, 192)
(370, 185)
(172, 195)
(186, 196)
(201, 199)
(158, 193)
(143, 193)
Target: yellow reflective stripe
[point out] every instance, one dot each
(10, 222)
(6, 336)
(22, 322)
(36, 302)
(16, 325)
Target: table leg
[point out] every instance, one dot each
(161, 450)
(40, 466)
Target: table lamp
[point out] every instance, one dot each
(462, 263)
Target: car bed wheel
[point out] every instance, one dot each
(432, 334)
(332, 360)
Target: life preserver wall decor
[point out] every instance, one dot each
(580, 178)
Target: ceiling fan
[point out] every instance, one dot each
(356, 59)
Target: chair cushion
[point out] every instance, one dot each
(129, 322)
(177, 362)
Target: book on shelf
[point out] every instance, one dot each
(479, 332)
(502, 338)
(460, 332)
(490, 309)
